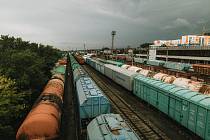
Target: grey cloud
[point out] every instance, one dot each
(68, 24)
(179, 22)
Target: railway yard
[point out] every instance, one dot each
(105, 70)
(106, 99)
(145, 120)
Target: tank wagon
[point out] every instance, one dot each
(189, 108)
(60, 66)
(43, 121)
(92, 101)
(59, 69)
(62, 61)
(110, 127)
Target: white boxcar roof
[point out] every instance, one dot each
(125, 66)
(134, 68)
(120, 70)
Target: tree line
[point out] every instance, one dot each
(24, 70)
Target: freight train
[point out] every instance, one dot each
(189, 108)
(92, 101)
(79, 59)
(105, 61)
(43, 121)
(95, 108)
(168, 64)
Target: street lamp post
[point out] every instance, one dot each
(166, 53)
(113, 33)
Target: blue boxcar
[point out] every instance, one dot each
(140, 60)
(155, 62)
(92, 101)
(78, 73)
(110, 127)
(190, 109)
(177, 66)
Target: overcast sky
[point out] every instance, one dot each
(68, 24)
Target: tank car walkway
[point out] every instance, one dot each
(69, 122)
(152, 116)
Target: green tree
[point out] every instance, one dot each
(28, 65)
(105, 48)
(12, 107)
(145, 45)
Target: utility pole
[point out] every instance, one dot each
(85, 49)
(113, 33)
(203, 30)
(167, 54)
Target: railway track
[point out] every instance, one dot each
(137, 121)
(70, 121)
